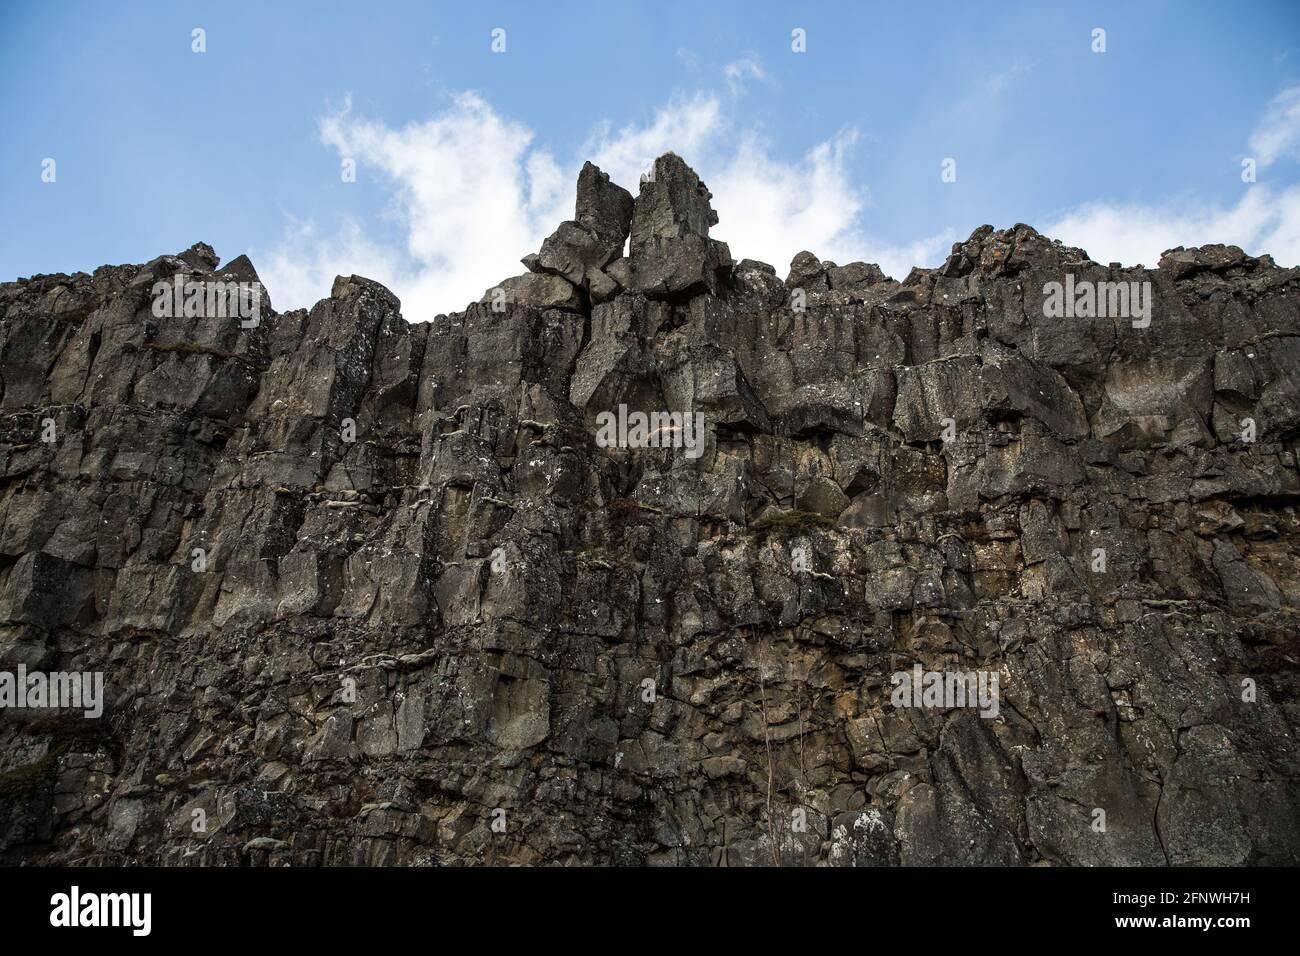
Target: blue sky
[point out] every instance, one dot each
(466, 158)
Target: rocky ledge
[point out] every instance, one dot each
(363, 591)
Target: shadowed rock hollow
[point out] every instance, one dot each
(472, 635)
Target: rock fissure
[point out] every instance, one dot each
(371, 592)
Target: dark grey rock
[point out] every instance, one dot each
(604, 207)
(436, 622)
(672, 256)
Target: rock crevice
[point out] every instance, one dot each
(364, 591)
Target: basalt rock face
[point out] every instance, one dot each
(371, 592)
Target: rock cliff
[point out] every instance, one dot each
(366, 591)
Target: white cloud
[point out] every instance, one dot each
(471, 195)
(1278, 134)
(1263, 221)
(301, 269)
(1003, 79)
(927, 252)
(689, 126)
(771, 209)
(739, 71)
(467, 190)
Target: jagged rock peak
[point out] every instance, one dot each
(673, 203)
(603, 206)
(430, 571)
(200, 256)
(580, 249)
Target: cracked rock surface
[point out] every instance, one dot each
(471, 635)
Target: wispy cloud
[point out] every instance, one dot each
(472, 193)
(688, 125)
(1001, 80)
(1264, 220)
(471, 196)
(738, 72)
(1278, 133)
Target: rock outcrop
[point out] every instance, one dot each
(371, 592)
